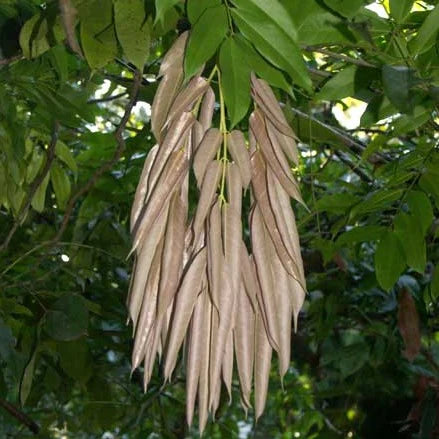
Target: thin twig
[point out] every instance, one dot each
(340, 56)
(34, 187)
(107, 165)
(20, 416)
(107, 99)
(353, 167)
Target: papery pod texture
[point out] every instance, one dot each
(197, 285)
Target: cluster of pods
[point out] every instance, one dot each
(201, 283)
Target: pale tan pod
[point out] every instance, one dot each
(163, 99)
(288, 144)
(176, 169)
(259, 185)
(184, 304)
(283, 295)
(234, 187)
(281, 170)
(244, 333)
(227, 365)
(207, 196)
(249, 277)
(265, 98)
(175, 55)
(172, 259)
(144, 260)
(206, 152)
(151, 354)
(197, 136)
(263, 352)
(207, 109)
(148, 314)
(142, 187)
(239, 152)
(174, 139)
(215, 255)
(280, 212)
(263, 271)
(194, 353)
(205, 364)
(187, 98)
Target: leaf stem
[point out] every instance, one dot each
(223, 129)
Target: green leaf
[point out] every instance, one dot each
(38, 201)
(133, 30)
(162, 7)
(361, 234)
(397, 82)
(260, 66)
(67, 319)
(337, 203)
(33, 37)
(347, 8)
(376, 201)
(389, 260)
(63, 152)
(26, 381)
(75, 359)
(61, 184)
(399, 9)
(205, 38)
(98, 37)
(195, 8)
(235, 81)
(420, 206)
(409, 231)
(427, 33)
(273, 43)
(339, 86)
(7, 341)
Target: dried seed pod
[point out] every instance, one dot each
(207, 109)
(287, 144)
(206, 152)
(239, 153)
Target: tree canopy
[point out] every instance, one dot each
(358, 82)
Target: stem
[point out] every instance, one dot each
(223, 129)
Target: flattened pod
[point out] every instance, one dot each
(265, 98)
(172, 259)
(263, 270)
(207, 109)
(197, 136)
(187, 97)
(142, 187)
(249, 277)
(205, 364)
(148, 311)
(176, 169)
(175, 138)
(263, 352)
(163, 99)
(244, 344)
(227, 365)
(238, 151)
(234, 187)
(288, 144)
(184, 304)
(215, 256)
(143, 264)
(151, 354)
(259, 184)
(281, 170)
(195, 354)
(206, 152)
(175, 55)
(207, 195)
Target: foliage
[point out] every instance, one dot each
(369, 238)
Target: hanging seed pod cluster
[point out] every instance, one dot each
(196, 287)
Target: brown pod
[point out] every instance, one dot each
(206, 152)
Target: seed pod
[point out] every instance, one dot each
(175, 55)
(287, 144)
(185, 302)
(206, 152)
(227, 365)
(239, 153)
(207, 109)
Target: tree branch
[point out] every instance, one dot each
(34, 187)
(106, 99)
(20, 416)
(340, 56)
(107, 165)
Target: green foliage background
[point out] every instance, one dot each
(371, 234)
